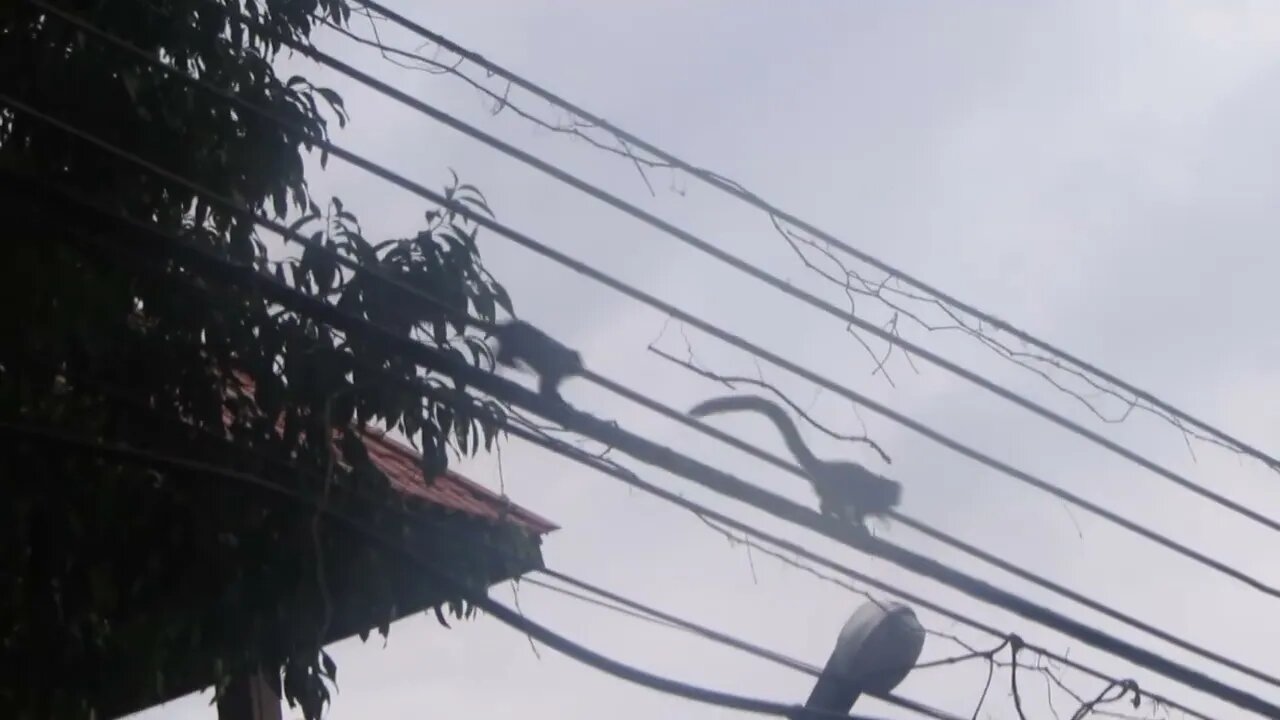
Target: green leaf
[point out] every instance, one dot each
(297, 225)
(330, 667)
(440, 617)
(335, 102)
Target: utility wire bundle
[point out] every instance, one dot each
(654, 454)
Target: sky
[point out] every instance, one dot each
(1101, 174)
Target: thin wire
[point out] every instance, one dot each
(618, 605)
(652, 614)
(905, 703)
(283, 294)
(505, 615)
(611, 607)
(625, 606)
(727, 484)
(652, 301)
(745, 267)
(671, 621)
(1038, 614)
(1027, 478)
(738, 191)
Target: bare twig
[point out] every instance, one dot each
(1121, 687)
(515, 596)
(730, 381)
(986, 688)
(1015, 644)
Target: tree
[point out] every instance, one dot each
(111, 569)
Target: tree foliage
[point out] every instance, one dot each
(110, 572)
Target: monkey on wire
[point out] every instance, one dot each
(845, 490)
(518, 342)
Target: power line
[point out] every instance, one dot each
(505, 615)
(743, 266)
(650, 614)
(327, 312)
(428, 191)
(722, 482)
(738, 191)
(1115, 518)
(611, 607)
(1068, 627)
(647, 613)
(873, 582)
(702, 631)
(700, 473)
(624, 606)
(671, 621)
(658, 304)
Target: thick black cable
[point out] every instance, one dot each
(679, 624)
(654, 302)
(505, 615)
(738, 191)
(718, 637)
(799, 551)
(746, 530)
(755, 451)
(724, 483)
(577, 455)
(625, 607)
(777, 283)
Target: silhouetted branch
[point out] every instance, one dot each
(986, 688)
(1122, 688)
(1015, 644)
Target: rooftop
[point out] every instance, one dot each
(403, 467)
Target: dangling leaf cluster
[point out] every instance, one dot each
(122, 584)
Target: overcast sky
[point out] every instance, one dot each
(1102, 174)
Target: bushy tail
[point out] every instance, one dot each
(738, 403)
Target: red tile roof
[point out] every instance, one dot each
(403, 468)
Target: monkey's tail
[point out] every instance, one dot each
(786, 427)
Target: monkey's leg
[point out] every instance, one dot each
(549, 386)
(837, 508)
(505, 356)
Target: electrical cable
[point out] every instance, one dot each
(785, 510)
(687, 238)
(663, 619)
(734, 189)
(702, 631)
(800, 551)
(640, 296)
(967, 621)
(727, 484)
(576, 454)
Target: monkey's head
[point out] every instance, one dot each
(882, 495)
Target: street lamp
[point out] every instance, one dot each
(877, 647)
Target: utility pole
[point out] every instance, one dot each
(875, 650)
